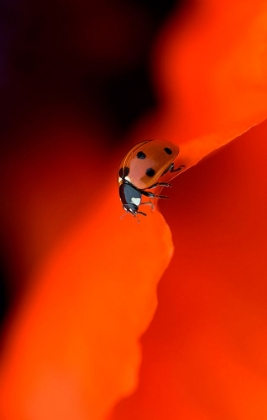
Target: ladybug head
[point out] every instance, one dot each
(130, 198)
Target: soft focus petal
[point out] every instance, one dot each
(210, 67)
(213, 63)
(205, 351)
(73, 350)
(204, 355)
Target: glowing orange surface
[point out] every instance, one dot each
(79, 329)
(204, 355)
(72, 350)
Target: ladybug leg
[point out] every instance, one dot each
(160, 184)
(135, 215)
(140, 212)
(147, 203)
(150, 194)
(171, 169)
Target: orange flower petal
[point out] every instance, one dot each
(205, 351)
(200, 352)
(210, 66)
(74, 351)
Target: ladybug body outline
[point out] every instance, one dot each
(141, 170)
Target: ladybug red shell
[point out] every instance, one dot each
(141, 170)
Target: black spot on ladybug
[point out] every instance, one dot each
(141, 155)
(150, 172)
(123, 172)
(168, 150)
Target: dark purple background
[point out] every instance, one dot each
(91, 55)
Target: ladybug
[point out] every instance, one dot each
(141, 170)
